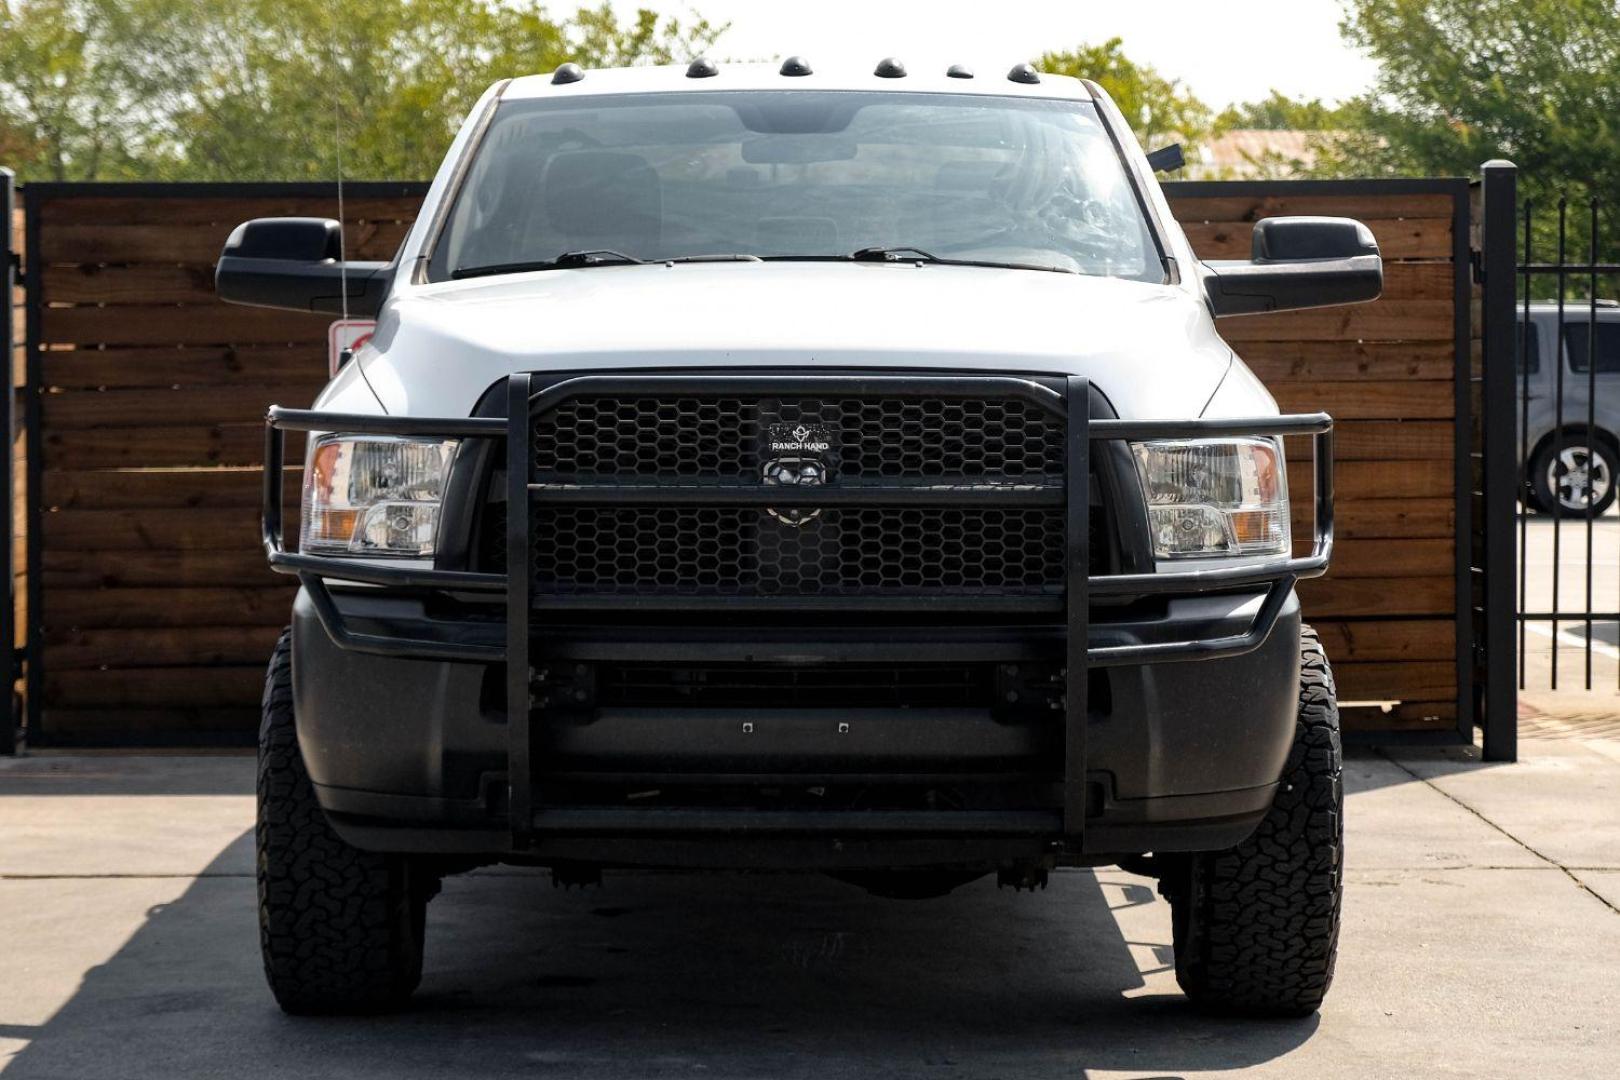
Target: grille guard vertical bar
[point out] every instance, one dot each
(1076, 713)
(519, 719)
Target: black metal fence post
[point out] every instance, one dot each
(8, 625)
(1495, 685)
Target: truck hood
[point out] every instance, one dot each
(1152, 349)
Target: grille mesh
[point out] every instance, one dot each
(715, 551)
(882, 439)
(646, 550)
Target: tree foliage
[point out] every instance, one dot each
(273, 89)
(1279, 112)
(1159, 109)
(1463, 81)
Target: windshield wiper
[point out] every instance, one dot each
(568, 260)
(903, 254)
(893, 254)
(725, 256)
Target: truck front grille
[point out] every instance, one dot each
(629, 493)
(715, 551)
(692, 439)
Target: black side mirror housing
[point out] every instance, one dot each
(1298, 262)
(1167, 158)
(296, 264)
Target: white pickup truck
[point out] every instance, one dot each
(779, 468)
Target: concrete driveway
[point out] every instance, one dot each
(1555, 566)
(1482, 938)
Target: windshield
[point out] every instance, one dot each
(797, 174)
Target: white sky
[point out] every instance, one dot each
(1225, 50)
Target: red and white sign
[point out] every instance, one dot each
(346, 334)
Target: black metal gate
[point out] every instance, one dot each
(1567, 405)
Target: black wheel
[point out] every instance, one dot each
(1256, 928)
(1577, 471)
(340, 929)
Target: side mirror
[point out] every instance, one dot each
(1298, 262)
(294, 263)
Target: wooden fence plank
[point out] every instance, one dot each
(144, 407)
(1349, 361)
(224, 368)
(1334, 597)
(156, 447)
(1424, 680)
(1425, 478)
(1423, 558)
(192, 324)
(1408, 399)
(128, 489)
(1436, 280)
(198, 245)
(160, 647)
(1407, 238)
(224, 211)
(167, 687)
(1251, 208)
(160, 531)
(1417, 639)
(1393, 440)
(1384, 320)
(237, 566)
(80, 608)
(1384, 518)
(90, 283)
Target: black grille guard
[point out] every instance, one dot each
(528, 818)
(1277, 575)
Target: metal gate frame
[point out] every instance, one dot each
(1495, 689)
(10, 274)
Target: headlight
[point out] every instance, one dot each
(374, 495)
(1210, 497)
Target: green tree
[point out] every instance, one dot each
(392, 81)
(1279, 112)
(1159, 109)
(1462, 81)
(85, 85)
(271, 89)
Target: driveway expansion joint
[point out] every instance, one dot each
(1568, 871)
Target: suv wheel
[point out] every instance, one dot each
(340, 929)
(1256, 928)
(1573, 473)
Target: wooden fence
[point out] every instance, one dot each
(154, 612)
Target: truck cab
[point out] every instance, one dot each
(774, 468)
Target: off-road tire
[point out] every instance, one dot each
(1256, 928)
(340, 928)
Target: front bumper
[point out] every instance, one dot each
(406, 699)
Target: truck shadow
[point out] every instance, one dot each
(654, 974)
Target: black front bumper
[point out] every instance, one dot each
(406, 697)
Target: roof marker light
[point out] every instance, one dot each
(795, 66)
(959, 71)
(1024, 73)
(890, 68)
(702, 68)
(567, 73)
